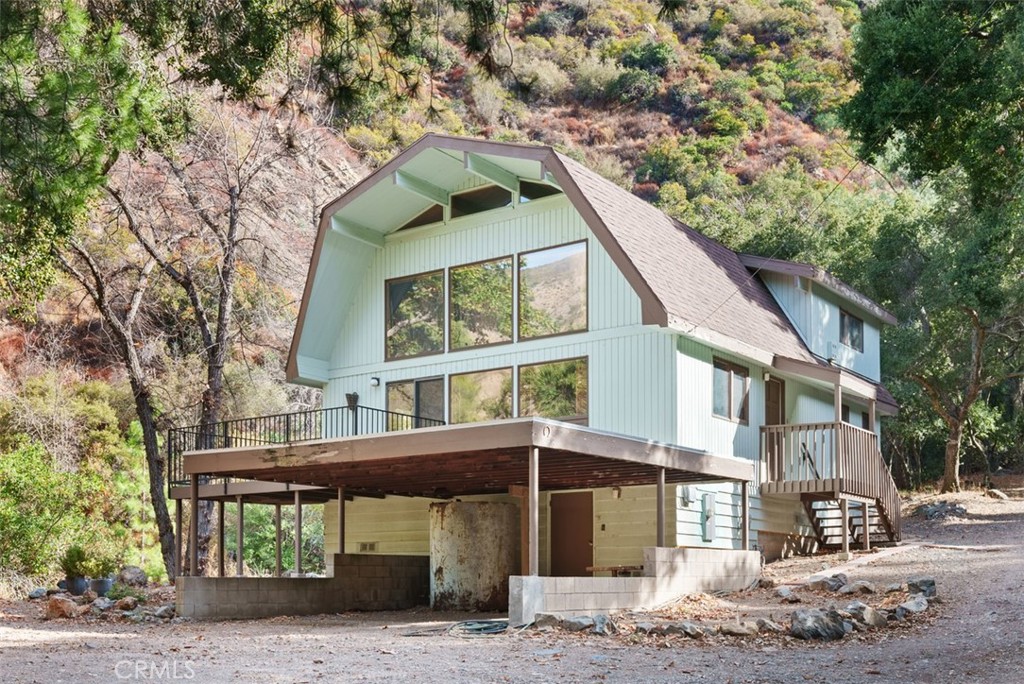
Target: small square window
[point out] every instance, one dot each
(851, 331)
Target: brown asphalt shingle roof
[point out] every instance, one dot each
(698, 280)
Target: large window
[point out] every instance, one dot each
(422, 398)
(553, 291)
(851, 331)
(485, 395)
(730, 391)
(554, 390)
(480, 308)
(415, 315)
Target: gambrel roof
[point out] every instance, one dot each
(686, 281)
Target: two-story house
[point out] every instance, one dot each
(494, 323)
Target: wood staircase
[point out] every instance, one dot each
(822, 464)
(826, 519)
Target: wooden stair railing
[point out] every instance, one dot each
(834, 459)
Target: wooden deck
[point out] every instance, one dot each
(831, 462)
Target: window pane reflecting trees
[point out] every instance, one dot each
(481, 304)
(415, 315)
(486, 395)
(554, 390)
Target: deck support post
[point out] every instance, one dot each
(844, 507)
(533, 507)
(221, 551)
(239, 537)
(179, 537)
(865, 519)
(193, 525)
(745, 520)
(277, 540)
(298, 533)
(872, 417)
(341, 520)
(661, 508)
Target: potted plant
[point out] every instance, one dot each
(101, 568)
(73, 563)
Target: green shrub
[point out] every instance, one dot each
(551, 23)
(594, 78)
(649, 55)
(634, 86)
(119, 591)
(75, 562)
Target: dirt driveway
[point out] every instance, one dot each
(975, 635)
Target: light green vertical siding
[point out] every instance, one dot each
(631, 384)
(815, 315)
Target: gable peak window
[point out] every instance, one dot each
(851, 330)
(731, 390)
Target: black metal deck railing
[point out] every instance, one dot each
(284, 428)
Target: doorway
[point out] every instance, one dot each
(572, 534)
(774, 414)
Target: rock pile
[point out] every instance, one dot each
(59, 605)
(826, 624)
(941, 510)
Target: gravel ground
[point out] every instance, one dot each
(976, 633)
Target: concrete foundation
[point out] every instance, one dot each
(775, 545)
(358, 582)
(474, 548)
(668, 574)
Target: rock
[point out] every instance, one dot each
(60, 607)
(165, 612)
(917, 604)
(604, 626)
(130, 603)
(766, 583)
(540, 621)
(739, 629)
(837, 582)
(941, 510)
(133, 576)
(787, 595)
(923, 584)
(861, 612)
(818, 624)
(103, 603)
(996, 494)
(646, 628)
(89, 596)
(576, 624)
(37, 593)
(683, 628)
(893, 588)
(766, 625)
(858, 587)
(833, 583)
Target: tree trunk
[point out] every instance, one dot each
(951, 475)
(155, 464)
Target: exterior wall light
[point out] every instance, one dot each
(374, 382)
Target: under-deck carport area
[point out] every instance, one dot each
(521, 457)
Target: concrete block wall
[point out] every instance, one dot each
(358, 582)
(668, 574)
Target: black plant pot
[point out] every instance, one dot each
(76, 585)
(102, 586)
